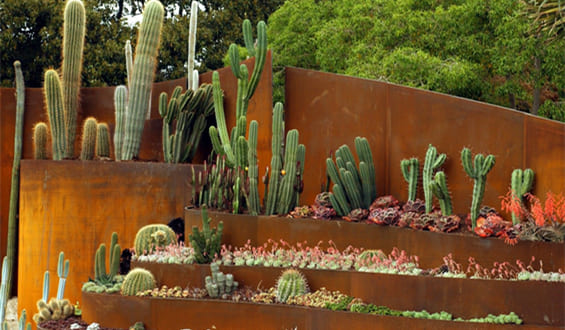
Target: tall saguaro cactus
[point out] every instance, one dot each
(120, 106)
(15, 188)
(73, 42)
(433, 162)
(143, 73)
(478, 171)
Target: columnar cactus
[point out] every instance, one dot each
(54, 101)
(410, 168)
(521, 183)
(22, 322)
(102, 141)
(276, 159)
(120, 106)
(478, 171)
(129, 61)
(440, 190)
(142, 78)
(73, 43)
(137, 280)
(152, 236)
(88, 139)
(218, 283)
(291, 283)
(62, 272)
(206, 243)
(286, 196)
(100, 274)
(3, 288)
(192, 44)
(432, 163)
(40, 141)
(253, 202)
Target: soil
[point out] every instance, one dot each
(66, 324)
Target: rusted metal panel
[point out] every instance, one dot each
(74, 206)
(430, 247)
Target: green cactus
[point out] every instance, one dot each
(101, 277)
(40, 141)
(354, 186)
(129, 61)
(142, 77)
(88, 139)
(137, 280)
(206, 243)
(73, 43)
(288, 182)
(192, 44)
(120, 106)
(291, 283)
(22, 322)
(478, 171)
(433, 162)
(55, 112)
(440, 190)
(45, 286)
(218, 283)
(102, 141)
(276, 158)
(62, 272)
(410, 168)
(3, 289)
(152, 236)
(253, 202)
(55, 309)
(521, 182)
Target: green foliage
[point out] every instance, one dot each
(206, 243)
(553, 110)
(137, 280)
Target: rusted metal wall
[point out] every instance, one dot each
(400, 122)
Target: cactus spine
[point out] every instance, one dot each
(410, 168)
(206, 243)
(40, 141)
(88, 139)
(433, 162)
(62, 272)
(142, 77)
(55, 112)
(152, 236)
(120, 106)
(477, 171)
(218, 283)
(440, 190)
(137, 280)
(192, 44)
(291, 283)
(73, 42)
(102, 140)
(521, 183)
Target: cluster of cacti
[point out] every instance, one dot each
(216, 184)
(55, 309)
(291, 283)
(206, 243)
(192, 81)
(353, 186)
(219, 284)
(22, 322)
(40, 141)
(189, 111)
(106, 282)
(88, 144)
(137, 280)
(431, 164)
(477, 170)
(522, 182)
(102, 141)
(142, 77)
(440, 190)
(410, 168)
(153, 236)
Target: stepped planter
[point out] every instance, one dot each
(166, 313)
(430, 247)
(536, 302)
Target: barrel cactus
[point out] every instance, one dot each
(291, 283)
(137, 280)
(102, 141)
(40, 141)
(88, 139)
(152, 236)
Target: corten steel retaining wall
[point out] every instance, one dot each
(400, 122)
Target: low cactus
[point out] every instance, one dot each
(291, 283)
(137, 280)
(410, 168)
(152, 236)
(88, 139)
(102, 141)
(478, 171)
(433, 162)
(54, 102)
(206, 243)
(63, 273)
(439, 189)
(120, 106)
(40, 141)
(106, 282)
(219, 284)
(55, 309)
(521, 183)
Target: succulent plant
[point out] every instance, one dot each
(477, 170)
(103, 281)
(389, 216)
(301, 212)
(410, 168)
(55, 309)
(384, 202)
(102, 141)
(40, 141)
(440, 190)
(323, 199)
(54, 103)
(219, 284)
(417, 206)
(291, 283)
(149, 237)
(206, 243)
(406, 218)
(357, 215)
(88, 139)
(446, 223)
(138, 280)
(368, 257)
(432, 163)
(521, 183)
(323, 212)
(424, 221)
(120, 106)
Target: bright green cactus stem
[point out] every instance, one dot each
(440, 190)
(102, 141)
(45, 296)
(192, 43)
(410, 168)
(62, 272)
(15, 183)
(219, 136)
(276, 159)
(478, 171)
(206, 243)
(40, 141)
(366, 170)
(432, 163)
(137, 280)
(142, 77)
(153, 236)
(129, 61)
(120, 106)
(287, 187)
(522, 182)
(254, 204)
(22, 322)
(291, 283)
(55, 112)
(88, 139)
(73, 43)
(100, 274)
